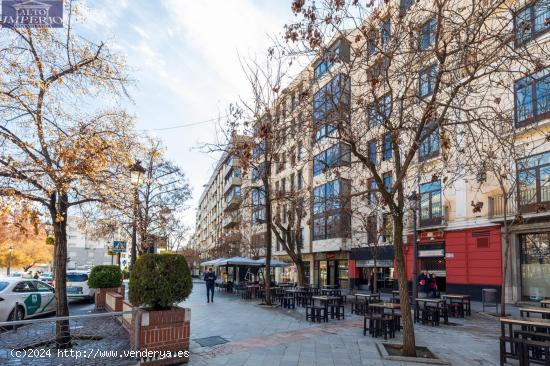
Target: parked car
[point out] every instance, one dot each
(47, 277)
(77, 286)
(25, 298)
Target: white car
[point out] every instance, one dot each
(25, 298)
(77, 286)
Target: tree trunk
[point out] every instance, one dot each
(375, 279)
(58, 211)
(505, 266)
(409, 344)
(300, 267)
(268, 238)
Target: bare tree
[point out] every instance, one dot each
(412, 71)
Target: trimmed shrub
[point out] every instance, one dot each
(159, 281)
(105, 276)
(125, 274)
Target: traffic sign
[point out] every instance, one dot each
(119, 246)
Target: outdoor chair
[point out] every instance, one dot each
(316, 314)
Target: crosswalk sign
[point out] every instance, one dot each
(119, 246)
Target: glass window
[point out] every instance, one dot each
(329, 217)
(531, 21)
(373, 189)
(3, 285)
(337, 155)
(385, 32)
(405, 5)
(534, 179)
(42, 287)
(535, 265)
(429, 144)
(378, 113)
(372, 152)
(387, 182)
(77, 277)
(430, 201)
(24, 286)
(387, 148)
(532, 95)
(329, 98)
(427, 80)
(258, 206)
(427, 34)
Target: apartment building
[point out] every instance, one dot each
(218, 216)
(346, 235)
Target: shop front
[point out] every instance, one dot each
(290, 273)
(535, 265)
(331, 269)
(365, 261)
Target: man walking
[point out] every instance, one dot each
(210, 279)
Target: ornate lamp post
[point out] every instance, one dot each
(413, 198)
(136, 177)
(10, 250)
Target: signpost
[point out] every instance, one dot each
(119, 246)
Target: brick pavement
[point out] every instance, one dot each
(264, 336)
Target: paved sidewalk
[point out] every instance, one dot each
(271, 336)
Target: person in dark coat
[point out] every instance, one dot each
(371, 282)
(433, 285)
(424, 283)
(210, 280)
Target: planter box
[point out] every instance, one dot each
(113, 301)
(101, 292)
(160, 332)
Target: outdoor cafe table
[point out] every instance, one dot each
(331, 292)
(324, 300)
(526, 312)
(439, 303)
(464, 299)
(253, 290)
(534, 325)
(367, 297)
(389, 306)
(545, 304)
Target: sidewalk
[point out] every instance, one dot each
(272, 336)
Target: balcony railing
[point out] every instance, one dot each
(230, 182)
(438, 217)
(496, 206)
(232, 202)
(231, 220)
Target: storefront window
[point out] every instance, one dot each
(535, 265)
(323, 273)
(343, 276)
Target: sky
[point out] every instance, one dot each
(184, 55)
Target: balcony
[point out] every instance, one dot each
(438, 217)
(231, 220)
(230, 182)
(533, 201)
(232, 202)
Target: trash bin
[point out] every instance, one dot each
(489, 298)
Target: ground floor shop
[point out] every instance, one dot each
(331, 269)
(462, 261)
(528, 276)
(365, 262)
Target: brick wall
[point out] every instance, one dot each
(113, 301)
(101, 292)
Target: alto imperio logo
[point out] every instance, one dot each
(32, 14)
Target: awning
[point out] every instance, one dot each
(273, 263)
(237, 261)
(212, 262)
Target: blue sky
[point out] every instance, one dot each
(184, 55)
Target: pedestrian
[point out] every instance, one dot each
(423, 284)
(210, 279)
(433, 285)
(371, 282)
(36, 276)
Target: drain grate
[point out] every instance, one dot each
(211, 341)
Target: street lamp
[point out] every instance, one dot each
(413, 198)
(136, 177)
(10, 250)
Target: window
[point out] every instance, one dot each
(77, 277)
(330, 98)
(328, 60)
(534, 181)
(378, 69)
(299, 152)
(405, 5)
(532, 95)
(330, 216)
(285, 213)
(431, 212)
(371, 44)
(292, 180)
(25, 286)
(302, 238)
(324, 131)
(387, 179)
(427, 34)
(258, 172)
(385, 32)
(373, 190)
(42, 287)
(535, 265)
(378, 113)
(427, 80)
(531, 21)
(337, 155)
(429, 143)
(387, 147)
(300, 179)
(372, 152)
(293, 102)
(258, 206)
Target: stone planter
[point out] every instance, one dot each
(101, 292)
(159, 334)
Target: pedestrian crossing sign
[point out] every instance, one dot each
(119, 246)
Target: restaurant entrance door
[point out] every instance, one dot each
(328, 273)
